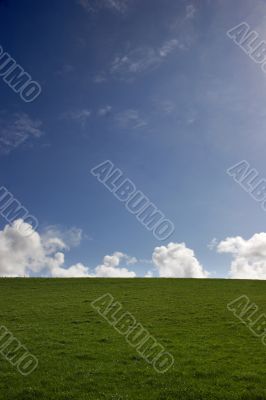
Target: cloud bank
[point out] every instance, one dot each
(43, 254)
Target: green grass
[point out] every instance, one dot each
(82, 357)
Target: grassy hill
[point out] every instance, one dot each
(82, 357)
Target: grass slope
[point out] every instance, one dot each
(82, 357)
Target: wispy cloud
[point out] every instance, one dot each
(183, 26)
(80, 116)
(71, 237)
(130, 119)
(15, 129)
(169, 46)
(183, 114)
(213, 244)
(141, 59)
(118, 5)
(102, 112)
(100, 78)
(165, 106)
(190, 11)
(92, 6)
(135, 61)
(65, 70)
(86, 5)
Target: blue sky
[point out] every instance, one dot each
(158, 88)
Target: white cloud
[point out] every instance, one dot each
(110, 266)
(16, 129)
(249, 256)
(177, 261)
(75, 271)
(20, 255)
(130, 119)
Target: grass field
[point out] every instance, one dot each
(82, 357)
